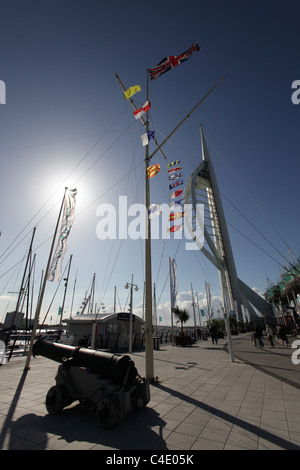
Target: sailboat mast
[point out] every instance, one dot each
(115, 299)
(73, 294)
(92, 295)
(41, 296)
(65, 291)
(21, 292)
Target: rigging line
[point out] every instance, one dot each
(109, 189)
(91, 204)
(161, 258)
(138, 187)
(126, 301)
(255, 227)
(207, 274)
(102, 155)
(5, 287)
(120, 306)
(171, 143)
(61, 184)
(54, 295)
(115, 261)
(15, 247)
(250, 196)
(195, 138)
(132, 168)
(56, 202)
(15, 282)
(112, 269)
(43, 144)
(216, 118)
(121, 244)
(251, 241)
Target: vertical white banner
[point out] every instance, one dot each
(66, 224)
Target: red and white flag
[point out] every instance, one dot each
(174, 169)
(139, 112)
(176, 193)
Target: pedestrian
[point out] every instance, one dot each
(83, 342)
(282, 335)
(214, 334)
(258, 335)
(270, 335)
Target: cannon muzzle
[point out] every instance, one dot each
(120, 369)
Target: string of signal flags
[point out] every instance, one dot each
(174, 175)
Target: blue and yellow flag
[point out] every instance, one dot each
(173, 163)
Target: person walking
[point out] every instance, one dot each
(282, 335)
(214, 334)
(270, 335)
(258, 335)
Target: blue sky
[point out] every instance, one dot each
(66, 123)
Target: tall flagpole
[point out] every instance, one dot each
(40, 299)
(148, 271)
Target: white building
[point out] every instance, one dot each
(105, 330)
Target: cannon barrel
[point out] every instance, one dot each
(119, 368)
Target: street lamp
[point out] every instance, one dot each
(131, 285)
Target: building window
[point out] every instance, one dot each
(111, 328)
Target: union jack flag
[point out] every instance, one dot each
(172, 61)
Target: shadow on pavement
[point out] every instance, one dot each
(285, 444)
(75, 425)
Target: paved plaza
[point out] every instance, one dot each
(201, 400)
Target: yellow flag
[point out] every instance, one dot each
(131, 91)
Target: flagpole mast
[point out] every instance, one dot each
(148, 271)
(141, 118)
(40, 299)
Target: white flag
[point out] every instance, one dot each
(66, 224)
(144, 139)
(154, 209)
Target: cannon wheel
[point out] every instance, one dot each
(108, 412)
(56, 399)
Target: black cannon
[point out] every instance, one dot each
(108, 383)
